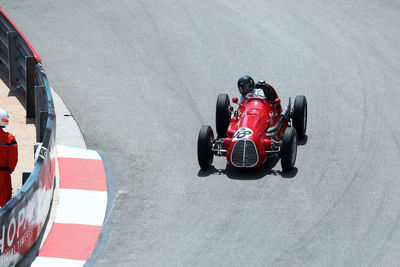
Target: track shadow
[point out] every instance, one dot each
(252, 174)
(302, 141)
(17, 92)
(30, 120)
(212, 170)
(289, 175)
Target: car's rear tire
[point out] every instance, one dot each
(223, 115)
(288, 149)
(205, 155)
(300, 115)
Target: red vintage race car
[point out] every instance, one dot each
(257, 130)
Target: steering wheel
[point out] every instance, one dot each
(253, 96)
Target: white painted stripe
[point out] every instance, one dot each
(81, 207)
(73, 152)
(52, 262)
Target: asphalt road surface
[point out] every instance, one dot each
(141, 77)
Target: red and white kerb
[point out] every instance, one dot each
(81, 209)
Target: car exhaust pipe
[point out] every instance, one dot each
(284, 116)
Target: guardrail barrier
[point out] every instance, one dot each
(23, 217)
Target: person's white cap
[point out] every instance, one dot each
(3, 118)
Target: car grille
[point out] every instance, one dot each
(244, 154)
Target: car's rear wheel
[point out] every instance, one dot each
(300, 115)
(205, 155)
(223, 115)
(288, 149)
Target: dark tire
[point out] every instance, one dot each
(204, 144)
(289, 149)
(300, 115)
(223, 115)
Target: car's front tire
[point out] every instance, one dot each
(300, 115)
(223, 115)
(205, 155)
(288, 149)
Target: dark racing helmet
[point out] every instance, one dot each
(245, 85)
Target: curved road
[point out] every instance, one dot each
(141, 77)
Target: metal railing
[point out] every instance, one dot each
(23, 217)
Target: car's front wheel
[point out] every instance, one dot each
(300, 115)
(288, 149)
(223, 115)
(205, 155)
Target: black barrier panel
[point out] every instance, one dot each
(30, 86)
(22, 218)
(39, 107)
(12, 64)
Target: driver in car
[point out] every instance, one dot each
(246, 85)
